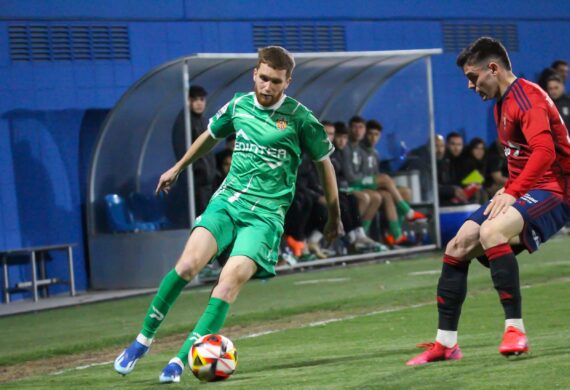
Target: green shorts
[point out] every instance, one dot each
(243, 231)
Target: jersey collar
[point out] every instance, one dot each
(508, 90)
(273, 107)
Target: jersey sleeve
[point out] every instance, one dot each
(220, 125)
(314, 140)
(535, 127)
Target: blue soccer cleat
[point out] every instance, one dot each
(172, 372)
(125, 362)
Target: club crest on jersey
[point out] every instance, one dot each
(281, 124)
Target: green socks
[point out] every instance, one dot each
(211, 321)
(395, 229)
(403, 208)
(168, 292)
(366, 226)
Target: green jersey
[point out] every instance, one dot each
(268, 148)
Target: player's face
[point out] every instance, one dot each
(269, 84)
(439, 147)
(198, 104)
(555, 89)
(340, 141)
(357, 131)
(330, 132)
(482, 79)
(455, 146)
(373, 137)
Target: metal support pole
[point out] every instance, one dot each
(432, 147)
(34, 277)
(71, 272)
(6, 281)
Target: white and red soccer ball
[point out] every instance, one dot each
(213, 358)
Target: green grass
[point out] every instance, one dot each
(363, 352)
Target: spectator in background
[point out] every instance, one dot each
(353, 161)
(349, 206)
(229, 146)
(557, 92)
(394, 206)
(497, 172)
(561, 67)
(205, 168)
(473, 170)
(449, 192)
(224, 159)
(454, 149)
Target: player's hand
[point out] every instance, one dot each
(167, 180)
(499, 204)
(333, 229)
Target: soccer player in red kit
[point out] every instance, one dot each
(533, 205)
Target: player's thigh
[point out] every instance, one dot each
(199, 249)
(362, 198)
(375, 197)
(236, 272)
(501, 229)
(465, 244)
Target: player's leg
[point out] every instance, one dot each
(451, 293)
(237, 271)
(199, 249)
(373, 206)
(254, 252)
(495, 236)
(391, 215)
(385, 182)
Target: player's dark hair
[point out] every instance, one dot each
(327, 123)
(483, 49)
(373, 124)
(197, 91)
(453, 134)
(356, 119)
(555, 77)
(276, 57)
(340, 128)
(557, 63)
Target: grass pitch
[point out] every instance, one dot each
(344, 328)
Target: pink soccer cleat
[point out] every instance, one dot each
(514, 342)
(435, 352)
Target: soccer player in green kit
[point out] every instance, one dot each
(247, 212)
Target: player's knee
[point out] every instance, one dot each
(491, 235)
(226, 290)
(187, 266)
(459, 246)
(375, 198)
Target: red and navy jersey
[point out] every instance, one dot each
(535, 139)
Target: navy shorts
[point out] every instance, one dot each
(544, 214)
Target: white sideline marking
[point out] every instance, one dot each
(316, 281)
(430, 272)
(259, 334)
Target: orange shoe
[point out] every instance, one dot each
(514, 342)
(296, 246)
(391, 241)
(435, 352)
(417, 217)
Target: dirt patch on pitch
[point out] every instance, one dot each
(58, 364)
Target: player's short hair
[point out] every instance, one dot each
(373, 124)
(356, 119)
(557, 63)
(340, 128)
(276, 57)
(555, 77)
(197, 91)
(453, 134)
(327, 123)
(483, 49)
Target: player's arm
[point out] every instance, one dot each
(203, 144)
(333, 227)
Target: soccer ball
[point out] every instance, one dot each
(213, 358)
